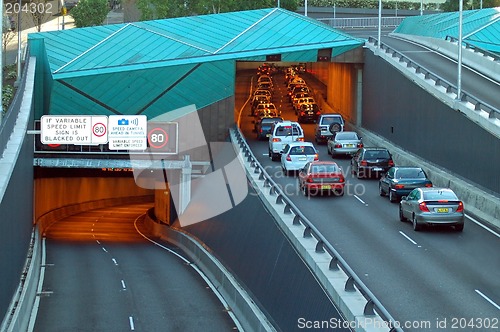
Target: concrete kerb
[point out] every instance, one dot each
(479, 203)
(350, 303)
(237, 299)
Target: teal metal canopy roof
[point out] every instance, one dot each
(480, 27)
(153, 66)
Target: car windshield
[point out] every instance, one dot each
(377, 154)
(324, 169)
(346, 136)
(435, 195)
(287, 131)
(412, 173)
(302, 150)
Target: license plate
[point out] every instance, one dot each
(349, 145)
(302, 158)
(267, 135)
(325, 187)
(377, 169)
(442, 210)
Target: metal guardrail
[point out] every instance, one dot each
(479, 105)
(362, 22)
(323, 246)
(485, 53)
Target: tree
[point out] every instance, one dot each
(452, 5)
(38, 10)
(8, 34)
(89, 13)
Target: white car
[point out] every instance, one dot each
(283, 133)
(296, 155)
(326, 125)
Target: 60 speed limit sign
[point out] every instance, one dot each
(162, 137)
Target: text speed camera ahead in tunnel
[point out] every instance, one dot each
(163, 137)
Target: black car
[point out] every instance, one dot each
(308, 113)
(400, 180)
(264, 125)
(370, 161)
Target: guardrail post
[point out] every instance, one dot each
(296, 220)
(319, 247)
(307, 232)
(334, 266)
(287, 209)
(369, 308)
(279, 199)
(349, 285)
(272, 191)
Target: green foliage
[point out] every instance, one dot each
(90, 12)
(452, 5)
(7, 95)
(156, 9)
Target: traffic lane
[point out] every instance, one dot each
(94, 284)
(429, 277)
(477, 85)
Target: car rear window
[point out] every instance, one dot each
(324, 169)
(413, 173)
(302, 150)
(287, 131)
(439, 195)
(328, 120)
(346, 135)
(377, 154)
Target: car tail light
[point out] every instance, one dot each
(309, 179)
(399, 186)
(260, 130)
(460, 207)
(318, 113)
(300, 139)
(316, 157)
(391, 163)
(363, 163)
(302, 113)
(360, 145)
(338, 145)
(275, 139)
(288, 158)
(428, 185)
(423, 207)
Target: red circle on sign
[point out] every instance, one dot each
(155, 145)
(54, 145)
(94, 129)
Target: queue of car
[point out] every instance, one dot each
(419, 201)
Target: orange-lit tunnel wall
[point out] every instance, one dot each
(341, 80)
(57, 197)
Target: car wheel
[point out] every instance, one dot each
(359, 175)
(328, 150)
(392, 196)
(339, 192)
(304, 190)
(274, 156)
(269, 153)
(416, 226)
(401, 215)
(459, 228)
(380, 190)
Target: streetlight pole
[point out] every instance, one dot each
(421, 7)
(379, 22)
(305, 8)
(459, 69)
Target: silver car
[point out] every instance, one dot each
(344, 142)
(432, 206)
(295, 155)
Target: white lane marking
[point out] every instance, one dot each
(408, 238)
(359, 199)
(98, 242)
(483, 226)
(131, 322)
(487, 299)
(104, 249)
(114, 261)
(123, 285)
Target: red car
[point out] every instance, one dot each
(321, 177)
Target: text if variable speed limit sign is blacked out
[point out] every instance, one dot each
(74, 129)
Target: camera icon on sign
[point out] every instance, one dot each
(123, 122)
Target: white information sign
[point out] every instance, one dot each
(127, 132)
(74, 129)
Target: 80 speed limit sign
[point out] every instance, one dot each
(162, 137)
